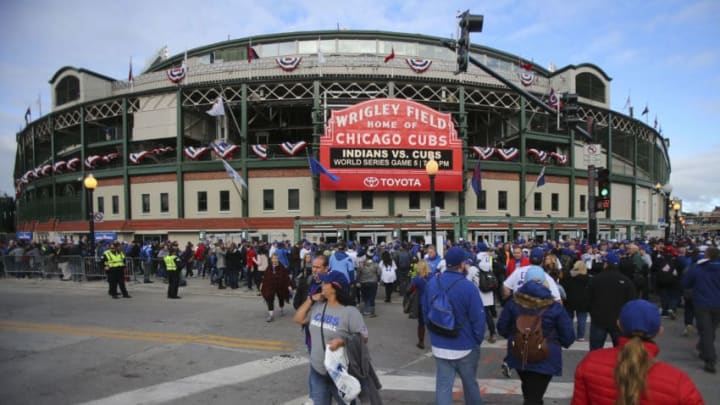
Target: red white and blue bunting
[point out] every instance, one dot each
(194, 153)
(560, 159)
(59, 166)
(484, 153)
(507, 153)
(288, 63)
(419, 65)
(540, 156)
(292, 149)
(223, 149)
(137, 157)
(177, 74)
(90, 161)
(73, 164)
(260, 151)
(161, 150)
(527, 78)
(45, 170)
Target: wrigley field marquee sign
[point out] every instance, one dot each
(384, 144)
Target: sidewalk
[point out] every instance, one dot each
(195, 286)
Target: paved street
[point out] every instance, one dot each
(69, 343)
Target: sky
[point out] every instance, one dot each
(660, 53)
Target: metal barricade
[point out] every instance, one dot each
(93, 269)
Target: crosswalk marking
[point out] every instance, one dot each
(173, 390)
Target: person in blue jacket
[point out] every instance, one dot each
(459, 354)
(534, 296)
(704, 279)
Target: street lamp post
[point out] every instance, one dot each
(431, 168)
(90, 184)
(665, 191)
(676, 207)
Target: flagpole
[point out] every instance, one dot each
(232, 115)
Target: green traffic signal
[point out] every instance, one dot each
(604, 192)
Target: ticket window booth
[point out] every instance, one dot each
(374, 237)
(490, 237)
(538, 236)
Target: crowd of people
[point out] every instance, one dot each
(556, 285)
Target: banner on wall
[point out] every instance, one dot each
(384, 144)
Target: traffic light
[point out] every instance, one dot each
(570, 108)
(467, 23)
(602, 201)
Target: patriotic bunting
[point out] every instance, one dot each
(260, 151)
(194, 153)
(110, 157)
(59, 166)
(527, 78)
(135, 158)
(559, 158)
(72, 164)
(46, 170)
(291, 149)
(161, 150)
(288, 63)
(507, 153)
(540, 156)
(223, 149)
(91, 160)
(176, 75)
(419, 65)
(555, 101)
(484, 153)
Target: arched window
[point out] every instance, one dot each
(67, 90)
(590, 86)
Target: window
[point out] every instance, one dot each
(67, 90)
(440, 200)
(224, 200)
(164, 202)
(115, 204)
(590, 86)
(537, 206)
(414, 200)
(268, 200)
(202, 201)
(367, 200)
(293, 199)
(481, 202)
(100, 205)
(341, 200)
(582, 203)
(555, 202)
(146, 203)
(502, 200)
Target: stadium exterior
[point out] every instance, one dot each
(155, 150)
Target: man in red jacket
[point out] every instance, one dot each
(631, 372)
(517, 261)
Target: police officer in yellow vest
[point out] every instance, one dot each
(114, 261)
(173, 272)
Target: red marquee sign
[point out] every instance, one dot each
(384, 144)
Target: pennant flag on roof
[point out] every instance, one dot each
(252, 54)
(645, 111)
(316, 168)
(391, 55)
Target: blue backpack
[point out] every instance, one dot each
(441, 314)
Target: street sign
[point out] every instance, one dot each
(99, 217)
(592, 153)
